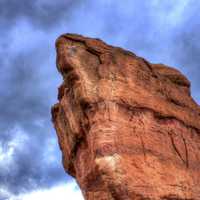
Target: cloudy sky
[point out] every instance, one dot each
(162, 31)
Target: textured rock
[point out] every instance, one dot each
(128, 129)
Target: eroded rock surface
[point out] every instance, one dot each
(128, 129)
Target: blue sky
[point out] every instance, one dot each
(162, 31)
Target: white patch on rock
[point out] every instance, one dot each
(108, 161)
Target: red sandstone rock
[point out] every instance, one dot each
(128, 129)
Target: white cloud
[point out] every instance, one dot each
(62, 192)
(7, 151)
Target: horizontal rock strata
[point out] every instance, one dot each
(128, 129)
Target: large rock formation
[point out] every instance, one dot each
(128, 129)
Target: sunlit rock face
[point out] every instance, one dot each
(128, 129)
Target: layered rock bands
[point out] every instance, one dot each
(128, 129)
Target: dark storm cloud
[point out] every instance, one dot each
(41, 13)
(25, 103)
(22, 95)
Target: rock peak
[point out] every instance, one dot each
(127, 128)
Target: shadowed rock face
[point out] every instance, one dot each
(128, 129)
